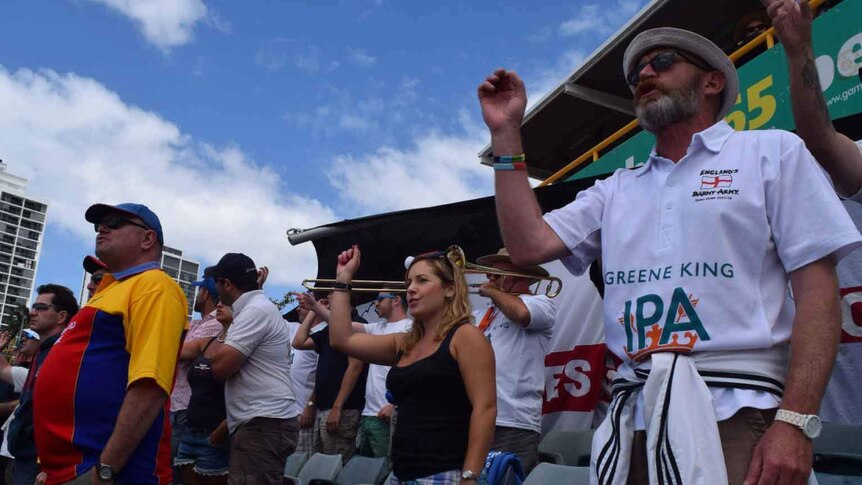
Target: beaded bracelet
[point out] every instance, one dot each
(510, 166)
(509, 158)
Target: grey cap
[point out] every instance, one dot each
(689, 42)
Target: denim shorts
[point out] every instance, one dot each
(208, 460)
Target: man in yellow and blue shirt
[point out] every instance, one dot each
(103, 415)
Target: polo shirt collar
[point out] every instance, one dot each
(244, 300)
(712, 139)
(121, 275)
(48, 342)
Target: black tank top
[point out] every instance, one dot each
(433, 415)
(206, 406)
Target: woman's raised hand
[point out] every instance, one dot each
(348, 264)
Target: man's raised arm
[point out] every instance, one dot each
(837, 154)
(526, 235)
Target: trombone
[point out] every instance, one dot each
(371, 286)
(553, 288)
(457, 257)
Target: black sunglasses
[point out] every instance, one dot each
(661, 62)
(116, 222)
(97, 278)
(41, 307)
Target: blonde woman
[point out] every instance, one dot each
(442, 376)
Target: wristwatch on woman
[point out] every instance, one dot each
(468, 475)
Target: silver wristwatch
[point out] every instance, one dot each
(809, 423)
(468, 475)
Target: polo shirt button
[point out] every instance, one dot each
(669, 205)
(670, 183)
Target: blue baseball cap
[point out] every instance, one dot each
(29, 333)
(97, 212)
(208, 282)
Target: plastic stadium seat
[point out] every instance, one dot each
(829, 479)
(838, 450)
(363, 470)
(550, 474)
(294, 464)
(570, 448)
(319, 466)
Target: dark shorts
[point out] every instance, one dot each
(259, 450)
(195, 449)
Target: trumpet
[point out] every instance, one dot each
(457, 257)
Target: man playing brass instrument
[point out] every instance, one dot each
(519, 326)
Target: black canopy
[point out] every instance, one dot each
(387, 239)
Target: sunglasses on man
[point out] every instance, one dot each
(115, 222)
(41, 307)
(662, 62)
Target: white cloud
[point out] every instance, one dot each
(360, 57)
(80, 143)
(164, 23)
(436, 169)
(550, 77)
(272, 54)
(600, 19)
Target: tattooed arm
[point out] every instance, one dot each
(838, 155)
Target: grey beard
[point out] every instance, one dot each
(668, 109)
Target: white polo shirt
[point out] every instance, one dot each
(696, 254)
(375, 386)
(303, 366)
(261, 387)
(519, 354)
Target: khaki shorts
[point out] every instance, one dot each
(739, 436)
(259, 450)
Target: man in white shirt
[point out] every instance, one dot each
(255, 365)
(698, 246)
(303, 366)
(519, 326)
(375, 426)
(842, 159)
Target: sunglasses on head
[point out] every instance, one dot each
(661, 62)
(383, 296)
(41, 307)
(454, 255)
(116, 222)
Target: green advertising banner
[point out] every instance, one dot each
(764, 91)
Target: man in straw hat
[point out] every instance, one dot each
(519, 326)
(698, 246)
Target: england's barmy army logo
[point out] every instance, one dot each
(677, 330)
(716, 184)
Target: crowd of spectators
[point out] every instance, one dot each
(125, 390)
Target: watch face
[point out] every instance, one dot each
(812, 426)
(105, 473)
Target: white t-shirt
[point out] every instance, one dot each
(375, 386)
(696, 254)
(519, 354)
(842, 401)
(261, 387)
(303, 365)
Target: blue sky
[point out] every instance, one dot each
(237, 120)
